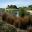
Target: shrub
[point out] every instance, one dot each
(4, 27)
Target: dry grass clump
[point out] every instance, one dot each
(4, 27)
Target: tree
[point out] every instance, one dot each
(12, 6)
(30, 7)
(22, 12)
(2, 9)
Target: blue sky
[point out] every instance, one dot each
(18, 3)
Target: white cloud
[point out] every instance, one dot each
(17, 2)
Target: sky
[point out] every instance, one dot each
(18, 3)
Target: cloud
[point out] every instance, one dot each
(4, 3)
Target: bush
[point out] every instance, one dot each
(22, 12)
(4, 27)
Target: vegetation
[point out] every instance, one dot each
(4, 27)
(12, 9)
(2, 9)
(12, 6)
(30, 7)
(22, 12)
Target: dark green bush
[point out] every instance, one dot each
(22, 12)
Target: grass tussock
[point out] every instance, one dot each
(4, 27)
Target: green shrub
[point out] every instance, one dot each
(22, 12)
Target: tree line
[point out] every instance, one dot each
(22, 10)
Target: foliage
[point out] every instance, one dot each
(30, 7)
(22, 12)
(12, 6)
(4, 27)
(2, 9)
(21, 9)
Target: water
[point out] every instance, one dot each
(17, 13)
